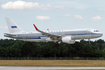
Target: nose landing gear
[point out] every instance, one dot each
(89, 41)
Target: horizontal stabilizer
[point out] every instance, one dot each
(9, 34)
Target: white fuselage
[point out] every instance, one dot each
(65, 36)
(74, 34)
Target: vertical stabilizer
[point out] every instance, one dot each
(12, 26)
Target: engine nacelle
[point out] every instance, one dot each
(48, 39)
(68, 39)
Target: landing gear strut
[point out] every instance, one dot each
(89, 41)
(56, 44)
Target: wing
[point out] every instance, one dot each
(52, 36)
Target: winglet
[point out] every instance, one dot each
(35, 27)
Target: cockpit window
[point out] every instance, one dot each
(96, 31)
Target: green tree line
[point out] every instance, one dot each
(16, 48)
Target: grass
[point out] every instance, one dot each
(80, 63)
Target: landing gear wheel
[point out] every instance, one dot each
(56, 44)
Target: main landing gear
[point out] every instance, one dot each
(56, 44)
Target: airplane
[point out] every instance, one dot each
(65, 36)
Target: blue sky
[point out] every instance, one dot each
(53, 14)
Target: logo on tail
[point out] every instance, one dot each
(13, 26)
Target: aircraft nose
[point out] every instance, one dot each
(101, 34)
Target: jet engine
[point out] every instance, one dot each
(68, 39)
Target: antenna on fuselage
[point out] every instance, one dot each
(47, 29)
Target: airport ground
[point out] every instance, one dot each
(67, 63)
(49, 68)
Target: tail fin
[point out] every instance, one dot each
(12, 26)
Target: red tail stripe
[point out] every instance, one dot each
(35, 27)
